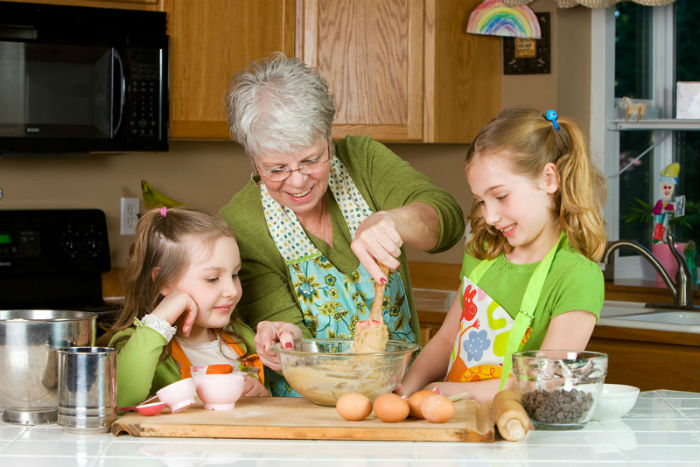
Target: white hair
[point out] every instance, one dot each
(279, 104)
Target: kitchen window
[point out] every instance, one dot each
(641, 52)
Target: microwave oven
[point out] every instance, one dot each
(82, 79)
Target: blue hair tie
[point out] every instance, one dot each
(552, 116)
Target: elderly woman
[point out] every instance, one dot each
(318, 217)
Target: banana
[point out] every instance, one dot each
(153, 198)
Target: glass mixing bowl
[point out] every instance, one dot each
(322, 370)
(559, 389)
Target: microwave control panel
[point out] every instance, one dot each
(144, 93)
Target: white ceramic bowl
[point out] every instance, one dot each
(219, 391)
(178, 395)
(615, 401)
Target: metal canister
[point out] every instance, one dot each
(87, 388)
(28, 359)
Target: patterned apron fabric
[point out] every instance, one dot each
(488, 336)
(481, 343)
(332, 302)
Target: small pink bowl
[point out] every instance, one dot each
(219, 392)
(179, 395)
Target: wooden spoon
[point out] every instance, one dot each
(371, 335)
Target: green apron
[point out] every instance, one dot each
(488, 336)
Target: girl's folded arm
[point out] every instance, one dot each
(136, 365)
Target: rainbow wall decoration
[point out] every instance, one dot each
(493, 18)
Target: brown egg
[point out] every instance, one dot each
(353, 406)
(437, 408)
(390, 407)
(415, 401)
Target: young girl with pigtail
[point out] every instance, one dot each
(529, 278)
(181, 288)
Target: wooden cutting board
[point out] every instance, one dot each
(297, 418)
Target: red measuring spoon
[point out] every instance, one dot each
(146, 407)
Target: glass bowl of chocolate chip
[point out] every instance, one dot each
(559, 389)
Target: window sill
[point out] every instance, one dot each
(655, 124)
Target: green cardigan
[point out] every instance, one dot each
(384, 180)
(140, 370)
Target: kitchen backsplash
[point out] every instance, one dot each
(202, 174)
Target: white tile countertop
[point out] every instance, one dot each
(663, 429)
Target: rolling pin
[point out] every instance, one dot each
(511, 418)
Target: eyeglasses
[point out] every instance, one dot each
(306, 167)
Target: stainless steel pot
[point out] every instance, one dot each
(28, 359)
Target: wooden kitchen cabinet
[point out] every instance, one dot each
(402, 70)
(210, 40)
(149, 5)
(649, 359)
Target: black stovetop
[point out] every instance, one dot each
(53, 258)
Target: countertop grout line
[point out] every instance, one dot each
(17, 437)
(102, 454)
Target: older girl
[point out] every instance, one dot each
(529, 276)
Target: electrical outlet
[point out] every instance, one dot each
(130, 216)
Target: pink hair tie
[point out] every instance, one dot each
(163, 211)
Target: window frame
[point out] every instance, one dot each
(605, 139)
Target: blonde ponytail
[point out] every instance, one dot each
(533, 142)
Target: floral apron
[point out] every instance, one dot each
(332, 302)
(488, 336)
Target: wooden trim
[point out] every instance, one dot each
(647, 335)
(650, 366)
(414, 109)
(299, 29)
(429, 74)
(188, 129)
(441, 276)
(112, 283)
(399, 133)
(289, 28)
(641, 291)
(147, 5)
(311, 18)
(431, 317)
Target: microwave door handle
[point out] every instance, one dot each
(122, 91)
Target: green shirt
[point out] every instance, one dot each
(574, 283)
(384, 180)
(141, 371)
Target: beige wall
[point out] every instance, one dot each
(537, 90)
(567, 88)
(206, 174)
(202, 174)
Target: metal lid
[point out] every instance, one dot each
(31, 416)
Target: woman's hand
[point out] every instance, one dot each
(379, 238)
(178, 305)
(378, 241)
(253, 387)
(270, 333)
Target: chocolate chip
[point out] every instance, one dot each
(557, 407)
